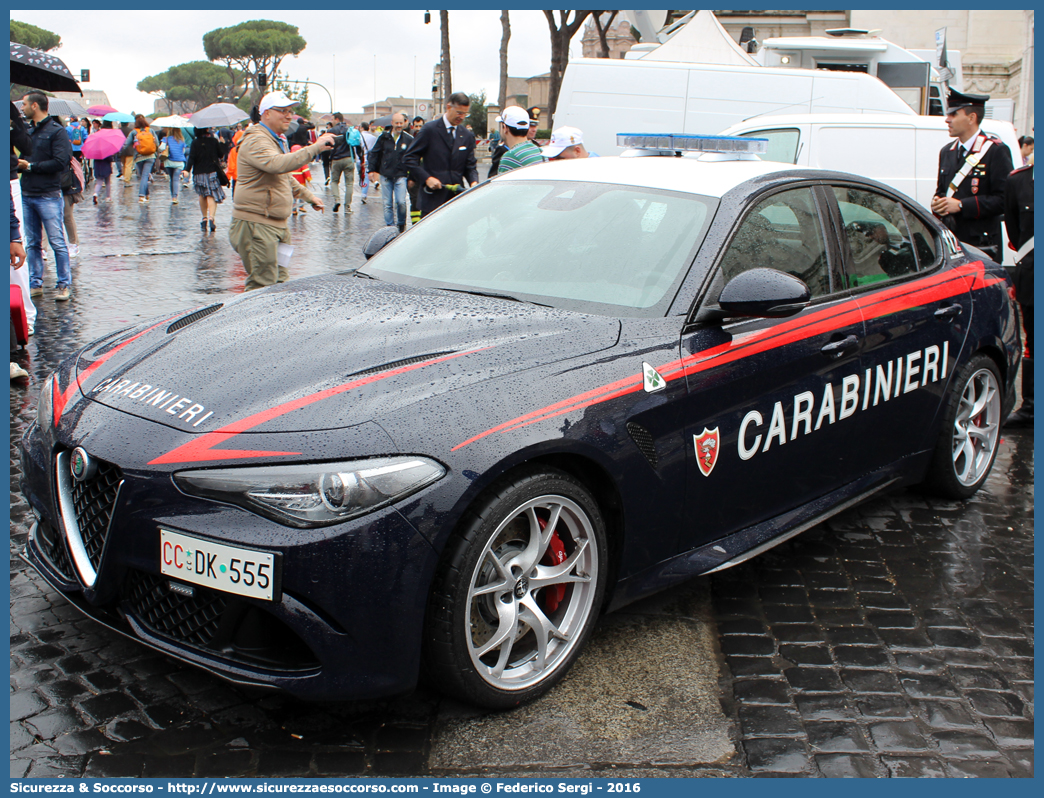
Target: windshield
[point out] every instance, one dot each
(595, 248)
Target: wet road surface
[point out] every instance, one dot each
(894, 640)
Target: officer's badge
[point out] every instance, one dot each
(975, 185)
(706, 445)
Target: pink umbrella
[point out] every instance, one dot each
(100, 110)
(103, 143)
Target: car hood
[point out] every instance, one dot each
(325, 353)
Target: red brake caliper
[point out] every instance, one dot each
(552, 595)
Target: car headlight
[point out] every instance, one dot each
(45, 405)
(314, 495)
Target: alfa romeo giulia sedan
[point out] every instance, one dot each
(570, 387)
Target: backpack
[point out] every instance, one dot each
(77, 135)
(146, 143)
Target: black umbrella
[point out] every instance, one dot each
(40, 70)
(383, 121)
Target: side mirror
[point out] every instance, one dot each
(379, 240)
(764, 292)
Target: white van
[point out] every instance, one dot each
(899, 150)
(604, 97)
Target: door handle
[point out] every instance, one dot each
(949, 312)
(838, 348)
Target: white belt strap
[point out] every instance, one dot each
(970, 163)
(1024, 250)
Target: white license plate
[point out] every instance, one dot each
(227, 568)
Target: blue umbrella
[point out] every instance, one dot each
(116, 116)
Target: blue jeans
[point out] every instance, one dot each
(394, 186)
(174, 173)
(144, 173)
(45, 213)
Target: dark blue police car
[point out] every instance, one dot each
(570, 387)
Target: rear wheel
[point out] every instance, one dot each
(518, 591)
(970, 433)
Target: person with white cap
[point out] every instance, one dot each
(566, 143)
(265, 190)
(514, 130)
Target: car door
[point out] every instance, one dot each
(769, 399)
(916, 313)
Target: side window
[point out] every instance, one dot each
(878, 237)
(783, 232)
(924, 241)
(782, 144)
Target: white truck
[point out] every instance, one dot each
(604, 97)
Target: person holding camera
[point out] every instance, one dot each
(265, 190)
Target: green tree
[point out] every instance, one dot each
(256, 47)
(32, 36)
(477, 114)
(198, 82)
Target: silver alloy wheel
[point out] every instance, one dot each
(526, 614)
(976, 427)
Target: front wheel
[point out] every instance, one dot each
(518, 591)
(970, 433)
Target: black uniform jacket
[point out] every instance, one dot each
(386, 156)
(1018, 218)
(435, 153)
(981, 193)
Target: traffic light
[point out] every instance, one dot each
(85, 76)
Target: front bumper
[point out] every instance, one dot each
(347, 623)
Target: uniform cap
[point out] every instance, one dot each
(534, 116)
(956, 99)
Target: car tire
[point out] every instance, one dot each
(970, 433)
(504, 622)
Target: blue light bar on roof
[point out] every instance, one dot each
(680, 142)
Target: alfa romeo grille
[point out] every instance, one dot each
(52, 544)
(93, 501)
(189, 619)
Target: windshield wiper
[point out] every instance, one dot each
(364, 275)
(493, 295)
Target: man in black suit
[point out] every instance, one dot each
(443, 155)
(973, 171)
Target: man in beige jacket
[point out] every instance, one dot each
(265, 190)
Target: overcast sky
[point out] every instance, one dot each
(122, 47)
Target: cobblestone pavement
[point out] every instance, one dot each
(895, 640)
